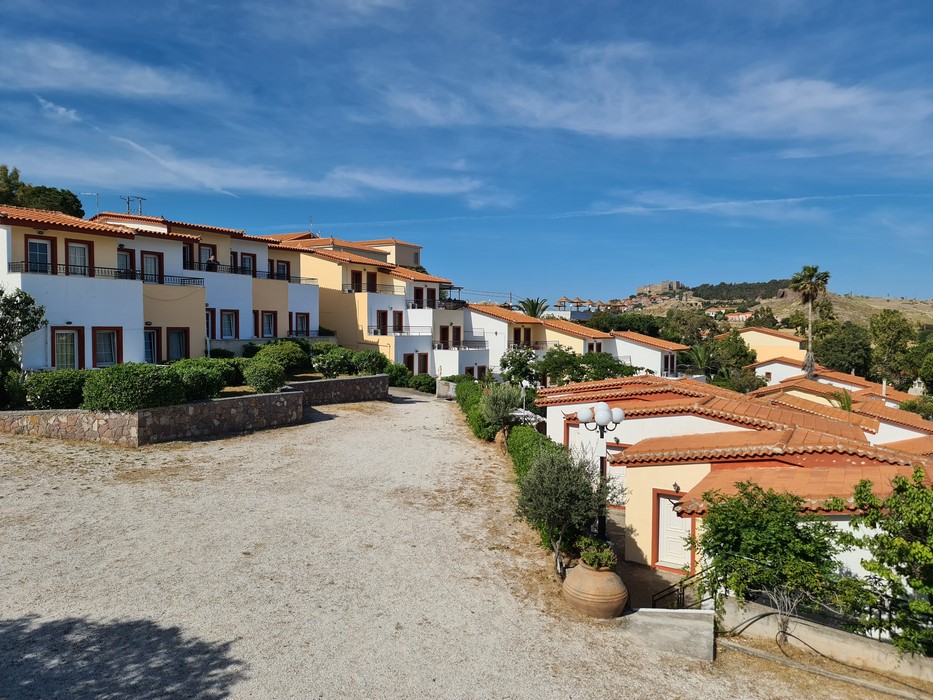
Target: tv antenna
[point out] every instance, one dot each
(96, 198)
(129, 199)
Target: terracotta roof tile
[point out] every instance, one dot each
(641, 385)
(233, 232)
(171, 235)
(915, 446)
(716, 447)
(285, 237)
(766, 331)
(809, 386)
(789, 361)
(415, 276)
(648, 340)
(504, 314)
(800, 404)
(886, 414)
(883, 393)
(589, 387)
(390, 241)
(342, 257)
(815, 485)
(571, 328)
(63, 222)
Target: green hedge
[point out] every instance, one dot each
(423, 382)
(399, 375)
(335, 362)
(228, 368)
(369, 362)
(524, 444)
(201, 381)
(62, 388)
(457, 378)
(264, 375)
(286, 353)
(132, 386)
(468, 395)
(481, 428)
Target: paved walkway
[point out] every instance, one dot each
(371, 553)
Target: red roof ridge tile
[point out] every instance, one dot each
(766, 331)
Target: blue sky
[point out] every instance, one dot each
(539, 148)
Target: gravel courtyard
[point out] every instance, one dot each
(371, 553)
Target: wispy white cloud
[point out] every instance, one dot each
(45, 65)
(58, 112)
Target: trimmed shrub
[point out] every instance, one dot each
(264, 375)
(370, 362)
(132, 386)
(12, 391)
(457, 378)
(321, 348)
(481, 428)
(286, 353)
(399, 375)
(222, 353)
(325, 332)
(200, 380)
(468, 395)
(227, 368)
(423, 382)
(525, 444)
(338, 361)
(250, 349)
(63, 388)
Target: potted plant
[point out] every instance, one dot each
(592, 586)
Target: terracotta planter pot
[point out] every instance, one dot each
(595, 592)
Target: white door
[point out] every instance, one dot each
(673, 551)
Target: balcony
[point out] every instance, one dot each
(248, 272)
(535, 345)
(461, 345)
(399, 330)
(111, 273)
(361, 287)
(448, 304)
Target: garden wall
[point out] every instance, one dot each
(195, 420)
(324, 391)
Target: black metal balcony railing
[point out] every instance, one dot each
(461, 345)
(448, 304)
(399, 330)
(111, 273)
(248, 272)
(535, 344)
(304, 334)
(361, 287)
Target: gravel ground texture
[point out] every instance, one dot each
(373, 552)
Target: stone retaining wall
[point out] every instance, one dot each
(348, 390)
(195, 420)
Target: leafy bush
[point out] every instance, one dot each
(321, 348)
(370, 362)
(457, 378)
(468, 395)
(399, 375)
(423, 382)
(325, 332)
(335, 362)
(228, 368)
(12, 391)
(286, 353)
(132, 386)
(63, 388)
(498, 403)
(481, 428)
(524, 444)
(922, 405)
(250, 349)
(264, 375)
(222, 353)
(596, 553)
(201, 381)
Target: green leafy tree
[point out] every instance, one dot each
(602, 365)
(731, 353)
(891, 333)
(699, 359)
(639, 323)
(560, 365)
(926, 374)
(518, 365)
(809, 283)
(688, 326)
(847, 349)
(19, 316)
(757, 542)
(922, 406)
(14, 191)
(910, 364)
(498, 403)
(901, 549)
(10, 184)
(738, 379)
(762, 317)
(533, 307)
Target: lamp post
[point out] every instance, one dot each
(600, 419)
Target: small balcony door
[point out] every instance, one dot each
(527, 336)
(445, 337)
(419, 297)
(371, 282)
(125, 264)
(456, 334)
(432, 298)
(398, 322)
(151, 338)
(517, 336)
(78, 259)
(39, 256)
(356, 280)
(382, 323)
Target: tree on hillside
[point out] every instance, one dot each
(762, 317)
(891, 333)
(910, 364)
(732, 352)
(688, 326)
(21, 194)
(533, 307)
(809, 283)
(847, 349)
(639, 323)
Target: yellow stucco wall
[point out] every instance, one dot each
(768, 347)
(639, 509)
(105, 247)
(812, 397)
(166, 305)
(272, 295)
(578, 345)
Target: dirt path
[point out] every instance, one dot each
(372, 553)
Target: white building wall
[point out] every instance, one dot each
(234, 292)
(305, 298)
(494, 332)
(642, 356)
(889, 432)
(779, 372)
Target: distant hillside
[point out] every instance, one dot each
(739, 291)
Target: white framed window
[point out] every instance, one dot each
(228, 324)
(177, 344)
(66, 350)
(151, 339)
(268, 324)
(78, 259)
(105, 348)
(152, 267)
(39, 255)
(301, 325)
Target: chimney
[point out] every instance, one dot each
(884, 388)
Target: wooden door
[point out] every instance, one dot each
(445, 337)
(371, 282)
(356, 280)
(382, 322)
(456, 336)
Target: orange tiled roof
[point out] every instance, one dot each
(415, 276)
(168, 223)
(642, 339)
(61, 222)
(798, 403)
(171, 235)
(390, 241)
(809, 386)
(886, 414)
(285, 237)
(815, 485)
(915, 446)
(338, 242)
(718, 447)
(571, 328)
(883, 393)
(504, 314)
(589, 387)
(782, 361)
(629, 387)
(766, 331)
(341, 256)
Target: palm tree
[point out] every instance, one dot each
(809, 283)
(700, 358)
(533, 307)
(843, 400)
